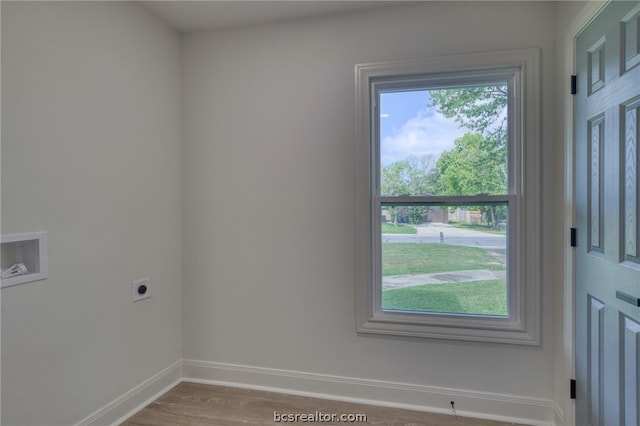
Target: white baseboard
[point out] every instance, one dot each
(491, 406)
(559, 418)
(136, 399)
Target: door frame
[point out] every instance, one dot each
(566, 366)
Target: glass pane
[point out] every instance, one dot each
(445, 259)
(450, 141)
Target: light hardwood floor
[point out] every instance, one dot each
(190, 404)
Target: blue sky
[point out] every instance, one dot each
(409, 127)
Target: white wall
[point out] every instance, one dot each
(268, 189)
(570, 16)
(91, 154)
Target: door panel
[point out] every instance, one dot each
(629, 371)
(630, 228)
(595, 189)
(595, 344)
(607, 253)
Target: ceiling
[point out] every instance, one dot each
(187, 16)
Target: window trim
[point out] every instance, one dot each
(523, 323)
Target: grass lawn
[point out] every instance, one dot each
(390, 228)
(408, 258)
(478, 297)
(477, 227)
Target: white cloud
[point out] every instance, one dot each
(429, 132)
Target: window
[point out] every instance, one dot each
(448, 205)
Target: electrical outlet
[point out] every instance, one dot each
(141, 289)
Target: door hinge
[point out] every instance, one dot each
(574, 84)
(574, 237)
(572, 386)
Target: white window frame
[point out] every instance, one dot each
(521, 69)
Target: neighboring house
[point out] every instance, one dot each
(466, 216)
(426, 215)
(435, 215)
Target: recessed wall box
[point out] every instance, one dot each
(141, 289)
(29, 250)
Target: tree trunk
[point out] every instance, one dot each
(494, 223)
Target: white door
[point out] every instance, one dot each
(608, 228)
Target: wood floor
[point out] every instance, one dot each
(190, 404)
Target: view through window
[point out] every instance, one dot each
(444, 198)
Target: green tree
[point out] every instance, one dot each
(481, 109)
(411, 176)
(477, 164)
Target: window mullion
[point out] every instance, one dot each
(482, 199)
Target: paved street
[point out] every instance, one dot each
(463, 237)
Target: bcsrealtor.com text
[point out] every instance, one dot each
(318, 417)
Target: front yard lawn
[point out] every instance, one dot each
(410, 258)
(390, 228)
(477, 227)
(477, 297)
